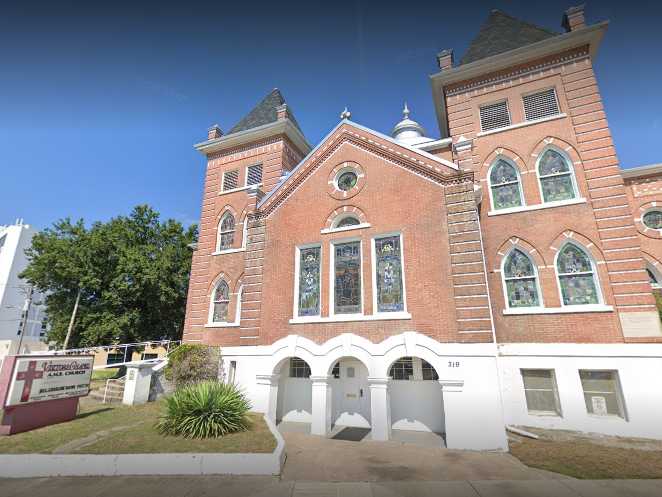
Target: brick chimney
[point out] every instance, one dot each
(282, 112)
(573, 19)
(214, 132)
(445, 59)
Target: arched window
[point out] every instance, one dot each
(653, 277)
(407, 368)
(520, 280)
(577, 276)
(557, 178)
(505, 185)
(226, 232)
(345, 221)
(220, 303)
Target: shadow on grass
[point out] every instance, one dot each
(91, 413)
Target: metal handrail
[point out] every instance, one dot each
(167, 344)
(117, 380)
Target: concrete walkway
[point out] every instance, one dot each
(210, 486)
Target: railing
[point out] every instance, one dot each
(119, 381)
(126, 347)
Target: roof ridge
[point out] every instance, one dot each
(521, 21)
(265, 112)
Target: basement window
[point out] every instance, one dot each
(602, 393)
(542, 396)
(541, 104)
(494, 116)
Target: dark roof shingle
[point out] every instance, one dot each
(264, 113)
(502, 33)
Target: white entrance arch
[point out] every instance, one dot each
(350, 393)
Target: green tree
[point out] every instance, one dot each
(132, 272)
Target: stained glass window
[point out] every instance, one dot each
(390, 296)
(504, 182)
(347, 180)
(309, 281)
(556, 178)
(226, 232)
(653, 220)
(347, 221)
(221, 303)
(347, 284)
(520, 277)
(576, 276)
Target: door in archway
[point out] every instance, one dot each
(351, 394)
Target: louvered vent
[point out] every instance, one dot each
(541, 104)
(254, 175)
(494, 116)
(230, 180)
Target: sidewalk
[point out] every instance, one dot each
(213, 486)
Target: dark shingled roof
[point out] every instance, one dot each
(264, 113)
(502, 33)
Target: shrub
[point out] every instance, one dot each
(205, 410)
(192, 363)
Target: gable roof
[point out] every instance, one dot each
(501, 33)
(419, 161)
(264, 113)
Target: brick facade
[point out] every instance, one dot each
(453, 240)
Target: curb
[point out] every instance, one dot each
(42, 465)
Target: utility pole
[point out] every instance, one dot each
(71, 321)
(24, 318)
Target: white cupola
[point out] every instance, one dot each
(409, 131)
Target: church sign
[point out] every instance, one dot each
(43, 378)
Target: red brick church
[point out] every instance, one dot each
(503, 274)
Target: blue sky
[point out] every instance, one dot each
(100, 105)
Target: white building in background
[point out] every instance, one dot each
(14, 240)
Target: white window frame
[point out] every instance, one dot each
(519, 182)
(237, 315)
(373, 271)
(559, 412)
(332, 276)
(650, 209)
(297, 269)
(573, 178)
(488, 104)
(596, 279)
(541, 304)
(229, 190)
(620, 398)
(541, 90)
(657, 275)
(256, 185)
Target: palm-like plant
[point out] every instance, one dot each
(208, 409)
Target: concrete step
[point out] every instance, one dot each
(110, 397)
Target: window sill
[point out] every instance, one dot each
(229, 251)
(568, 309)
(522, 124)
(222, 325)
(384, 316)
(345, 228)
(547, 205)
(240, 189)
(545, 414)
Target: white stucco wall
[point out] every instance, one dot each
(640, 373)
(417, 405)
(295, 400)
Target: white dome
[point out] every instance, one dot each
(408, 130)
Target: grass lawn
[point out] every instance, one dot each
(583, 459)
(132, 432)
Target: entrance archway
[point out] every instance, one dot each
(350, 393)
(294, 402)
(416, 396)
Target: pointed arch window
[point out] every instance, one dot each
(220, 303)
(226, 232)
(520, 280)
(346, 221)
(653, 277)
(505, 186)
(577, 276)
(557, 177)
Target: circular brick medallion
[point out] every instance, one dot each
(346, 180)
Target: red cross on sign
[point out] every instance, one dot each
(28, 377)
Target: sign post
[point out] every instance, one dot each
(40, 390)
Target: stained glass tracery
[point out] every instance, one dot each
(226, 232)
(221, 303)
(555, 175)
(653, 219)
(520, 277)
(505, 185)
(309, 281)
(347, 280)
(576, 276)
(388, 269)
